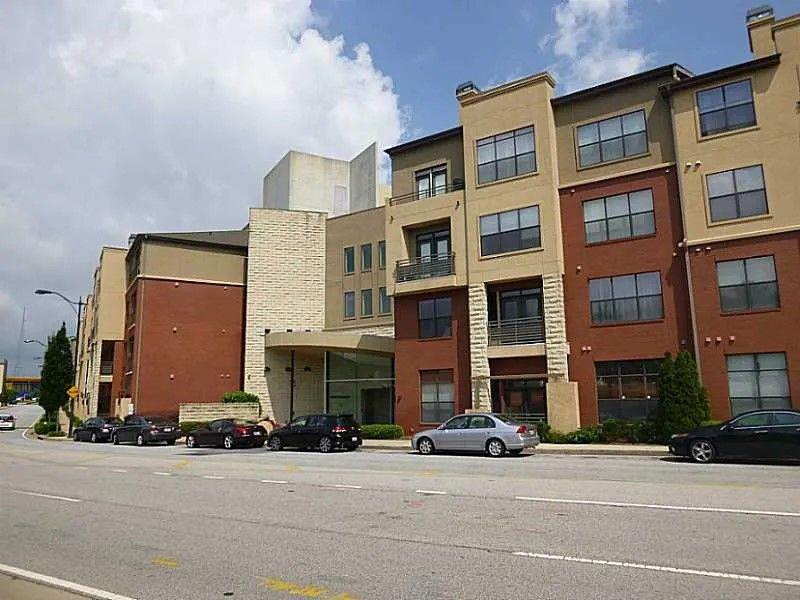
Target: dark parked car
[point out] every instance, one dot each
(96, 429)
(144, 430)
(324, 432)
(228, 433)
(761, 434)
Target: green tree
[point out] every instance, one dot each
(58, 374)
(682, 400)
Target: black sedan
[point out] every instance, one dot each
(145, 430)
(228, 433)
(96, 429)
(759, 434)
(324, 432)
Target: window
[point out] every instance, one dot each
(506, 155)
(626, 298)
(611, 139)
(481, 422)
(619, 217)
(435, 316)
(786, 418)
(757, 420)
(349, 260)
(366, 303)
(460, 422)
(511, 230)
(627, 389)
(366, 257)
(349, 305)
(736, 194)
(438, 395)
(758, 381)
(748, 284)
(434, 244)
(382, 254)
(726, 107)
(431, 182)
(384, 302)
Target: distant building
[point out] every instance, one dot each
(27, 385)
(3, 373)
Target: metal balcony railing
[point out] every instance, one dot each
(508, 332)
(436, 191)
(527, 418)
(107, 367)
(437, 265)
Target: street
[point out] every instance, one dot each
(170, 522)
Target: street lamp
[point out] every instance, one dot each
(42, 344)
(79, 304)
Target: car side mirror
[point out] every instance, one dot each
(441, 427)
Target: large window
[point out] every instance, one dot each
(366, 257)
(510, 230)
(384, 302)
(726, 107)
(366, 303)
(349, 260)
(758, 381)
(435, 317)
(626, 298)
(619, 217)
(748, 284)
(612, 139)
(438, 401)
(349, 305)
(737, 193)
(627, 389)
(506, 155)
(382, 254)
(431, 182)
(360, 384)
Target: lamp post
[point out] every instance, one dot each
(42, 344)
(79, 304)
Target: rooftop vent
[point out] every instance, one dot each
(467, 89)
(758, 13)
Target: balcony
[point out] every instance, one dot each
(107, 367)
(429, 193)
(512, 332)
(414, 269)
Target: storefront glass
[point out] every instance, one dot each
(360, 384)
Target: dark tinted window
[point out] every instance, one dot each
(113, 421)
(756, 420)
(726, 107)
(346, 420)
(481, 422)
(460, 422)
(785, 418)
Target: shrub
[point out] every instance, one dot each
(584, 435)
(239, 396)
(682, 401)
(44, 427)
(187, 426)
(56, 434)
(544, 431)
(381, 432)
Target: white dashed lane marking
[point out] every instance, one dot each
(213, 477)
(273, 481)
(48, 496)
(431, 492)
(160, 473)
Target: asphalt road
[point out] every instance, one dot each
(173, 523)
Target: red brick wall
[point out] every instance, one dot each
(412, 355)
(761, 331)
(499, 367)
(652, 253)
(189, 344)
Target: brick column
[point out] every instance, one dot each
(478, 347)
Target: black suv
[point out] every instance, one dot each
(96, 429)
(144, 430)
(324, 432)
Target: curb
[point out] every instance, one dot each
(562, 449)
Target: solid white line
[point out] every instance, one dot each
(61, 584)
(50, 496)
(212, 477)
(160, 473)
(677, 570)
(273, 481)
(82, 468)
(341, 486)
(434, 492)
(119, 470)
(738, 511)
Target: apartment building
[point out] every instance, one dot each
(184, 320)
(102, 336)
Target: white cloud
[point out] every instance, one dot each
(122, 116)
(588, 42)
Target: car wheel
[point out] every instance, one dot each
(94, 438)
(425, 446)
(495, 448)
(76, 437)
(140, 440)
(170, 442)
(275, 443)
(115, 440)
(190, 441)
(702, 451)
(325, 444)
(227, 442)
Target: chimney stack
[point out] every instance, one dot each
(759, 29)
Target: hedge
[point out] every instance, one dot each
(381, 432)
(239, 396)
(187, 426)
(44, 427)
(57, 434)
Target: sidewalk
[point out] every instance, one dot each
(579, 449)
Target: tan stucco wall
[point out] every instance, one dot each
(448, 151)
(178, 261)
(110, 295)
(365, 227)
(644, 95)
(773, 143)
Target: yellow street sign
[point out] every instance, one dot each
(73, 392)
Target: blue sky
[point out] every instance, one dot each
(428, 47)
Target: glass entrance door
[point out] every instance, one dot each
(433, 244)
(521, 399)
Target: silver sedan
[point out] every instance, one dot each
(477, 432)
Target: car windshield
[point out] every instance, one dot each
(113, 421)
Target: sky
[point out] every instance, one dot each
(125, 116)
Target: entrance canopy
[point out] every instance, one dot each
(329, 341)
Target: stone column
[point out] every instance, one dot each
(478, 347)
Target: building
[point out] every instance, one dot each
(3, 374)
(102, 336)
(24, 384)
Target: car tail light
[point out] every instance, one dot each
(339, 429)
(240, 430)
(153, 428)
(522, 429)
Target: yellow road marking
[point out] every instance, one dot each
(292, 468)
(165, 561)
(182, 464)
(304, 591)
